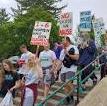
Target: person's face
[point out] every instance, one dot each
(31, 61)
(46, 48)
(23, 50)
(65, 43)
(6, 67)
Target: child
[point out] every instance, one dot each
(29, 82)
(10, 76)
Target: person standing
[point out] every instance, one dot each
(57, 49)
(69, 56)
(25, 53)
(103, 62)
(29, 82)
(10, 76)
(47, 59)
(87, 51)
(24, 59)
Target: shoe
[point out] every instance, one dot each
(69, 100)
(94, 82)
(83, 87)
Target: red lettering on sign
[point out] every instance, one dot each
(65, 16)
(65, 32)
(37, 41)
(46, 25)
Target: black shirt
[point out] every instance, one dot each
(9, 82)
(3, 90)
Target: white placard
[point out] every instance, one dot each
(99, 29)
(41, 33)
(66, 23)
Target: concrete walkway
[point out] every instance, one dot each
(98, 96)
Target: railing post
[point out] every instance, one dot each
(78, 88)
(79, 83)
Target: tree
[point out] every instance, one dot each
(25, 23)
(48, 5)
(3, 16)
(13, 34)
(17, 12)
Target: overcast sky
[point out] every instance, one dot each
(98, 7)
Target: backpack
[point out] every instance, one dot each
(67, 62)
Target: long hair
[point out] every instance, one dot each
(31, 61)
(2, 73)
(34, 64)
(8, 62)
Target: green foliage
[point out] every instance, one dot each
(47, 5)
(3, 16)
(13, 34)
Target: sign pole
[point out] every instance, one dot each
(37, 51)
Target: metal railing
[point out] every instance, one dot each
(79, 83)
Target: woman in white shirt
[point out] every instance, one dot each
(29, 82)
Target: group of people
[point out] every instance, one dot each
(43, 70)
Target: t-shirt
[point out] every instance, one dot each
(31, 77)
(58, 51)
(25, 56)
(46, 58)
(9, 81)
(73, 68)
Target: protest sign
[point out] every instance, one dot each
(66, 23)
(41, 32)
(85, 21)
(99, 29)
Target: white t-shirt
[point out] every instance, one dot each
(31, 77)
(46, 58)
(25, 56)
(73, 68)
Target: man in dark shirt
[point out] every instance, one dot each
(87, 55)
(103, 62)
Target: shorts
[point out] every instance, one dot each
(66, 76)
(48, 77)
